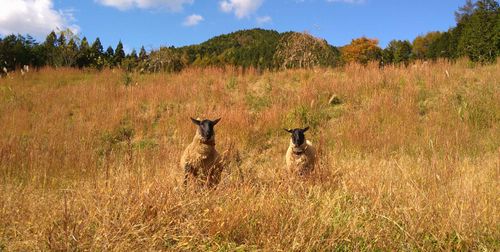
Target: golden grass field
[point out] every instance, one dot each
(409, 160)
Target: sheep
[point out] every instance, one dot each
(200, 159)
(301, 155)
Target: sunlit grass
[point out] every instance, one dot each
(409, 159)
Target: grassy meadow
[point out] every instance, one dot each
(409, 160)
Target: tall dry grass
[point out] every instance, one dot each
(410, 160)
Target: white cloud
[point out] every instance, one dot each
(241, 8)
(347, 1)
(193, 20)
(34, 17)
(172, 5)
(264, 19)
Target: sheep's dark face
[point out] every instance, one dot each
(298, 137)
(206, 128)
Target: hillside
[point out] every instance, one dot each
(258, 48)
(243, 48)
(409, 159)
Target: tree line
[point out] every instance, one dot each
(476, 36)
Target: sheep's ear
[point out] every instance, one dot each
(288, 130)
(305, 129)
(216, 121)
(195, 121)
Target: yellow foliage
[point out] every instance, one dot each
(361, 50)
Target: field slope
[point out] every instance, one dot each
(410, 160)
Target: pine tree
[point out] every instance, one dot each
(61, 41)
(97, 47)
(143, 54)
(479, 37)
(96, 54)
(50, 48)
(133, 55)
(130, 62)
(70, 53)
(110, 55)
(84, 54)
(119, 53)
(465, 11)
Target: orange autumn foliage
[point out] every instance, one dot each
(361, 50)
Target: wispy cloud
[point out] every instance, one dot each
(240, 8)
(171, 5)
(263, 20)
(36, 17)
(193, 20)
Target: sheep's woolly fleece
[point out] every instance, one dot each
(301, 159)
(202, 161)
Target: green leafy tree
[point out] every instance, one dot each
(479, 38)
(68, 50)
(166, 59)
(400, 51)
(70, 53)
(421, 44)
(17, 51)
(443, 47)
(397, 52)
(130, 61)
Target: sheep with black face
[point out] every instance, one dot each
(200, 159)
(301, 155)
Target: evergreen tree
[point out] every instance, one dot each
(70, 53)
(50, 48)
(17, 51)
(119, 53)
(97, 47)
(83, 59)
(133, 55)
(479, 37)
(397, 52)
(61, 41)
(96, 54)
(109, 55)
(143, 54)
(130, 62)
(465, 11)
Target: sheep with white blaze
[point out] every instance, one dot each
(200, 159)
(301, 155)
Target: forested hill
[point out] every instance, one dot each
(254, 47)
(259, 48)
(476, 36)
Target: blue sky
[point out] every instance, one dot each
(155, 23)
